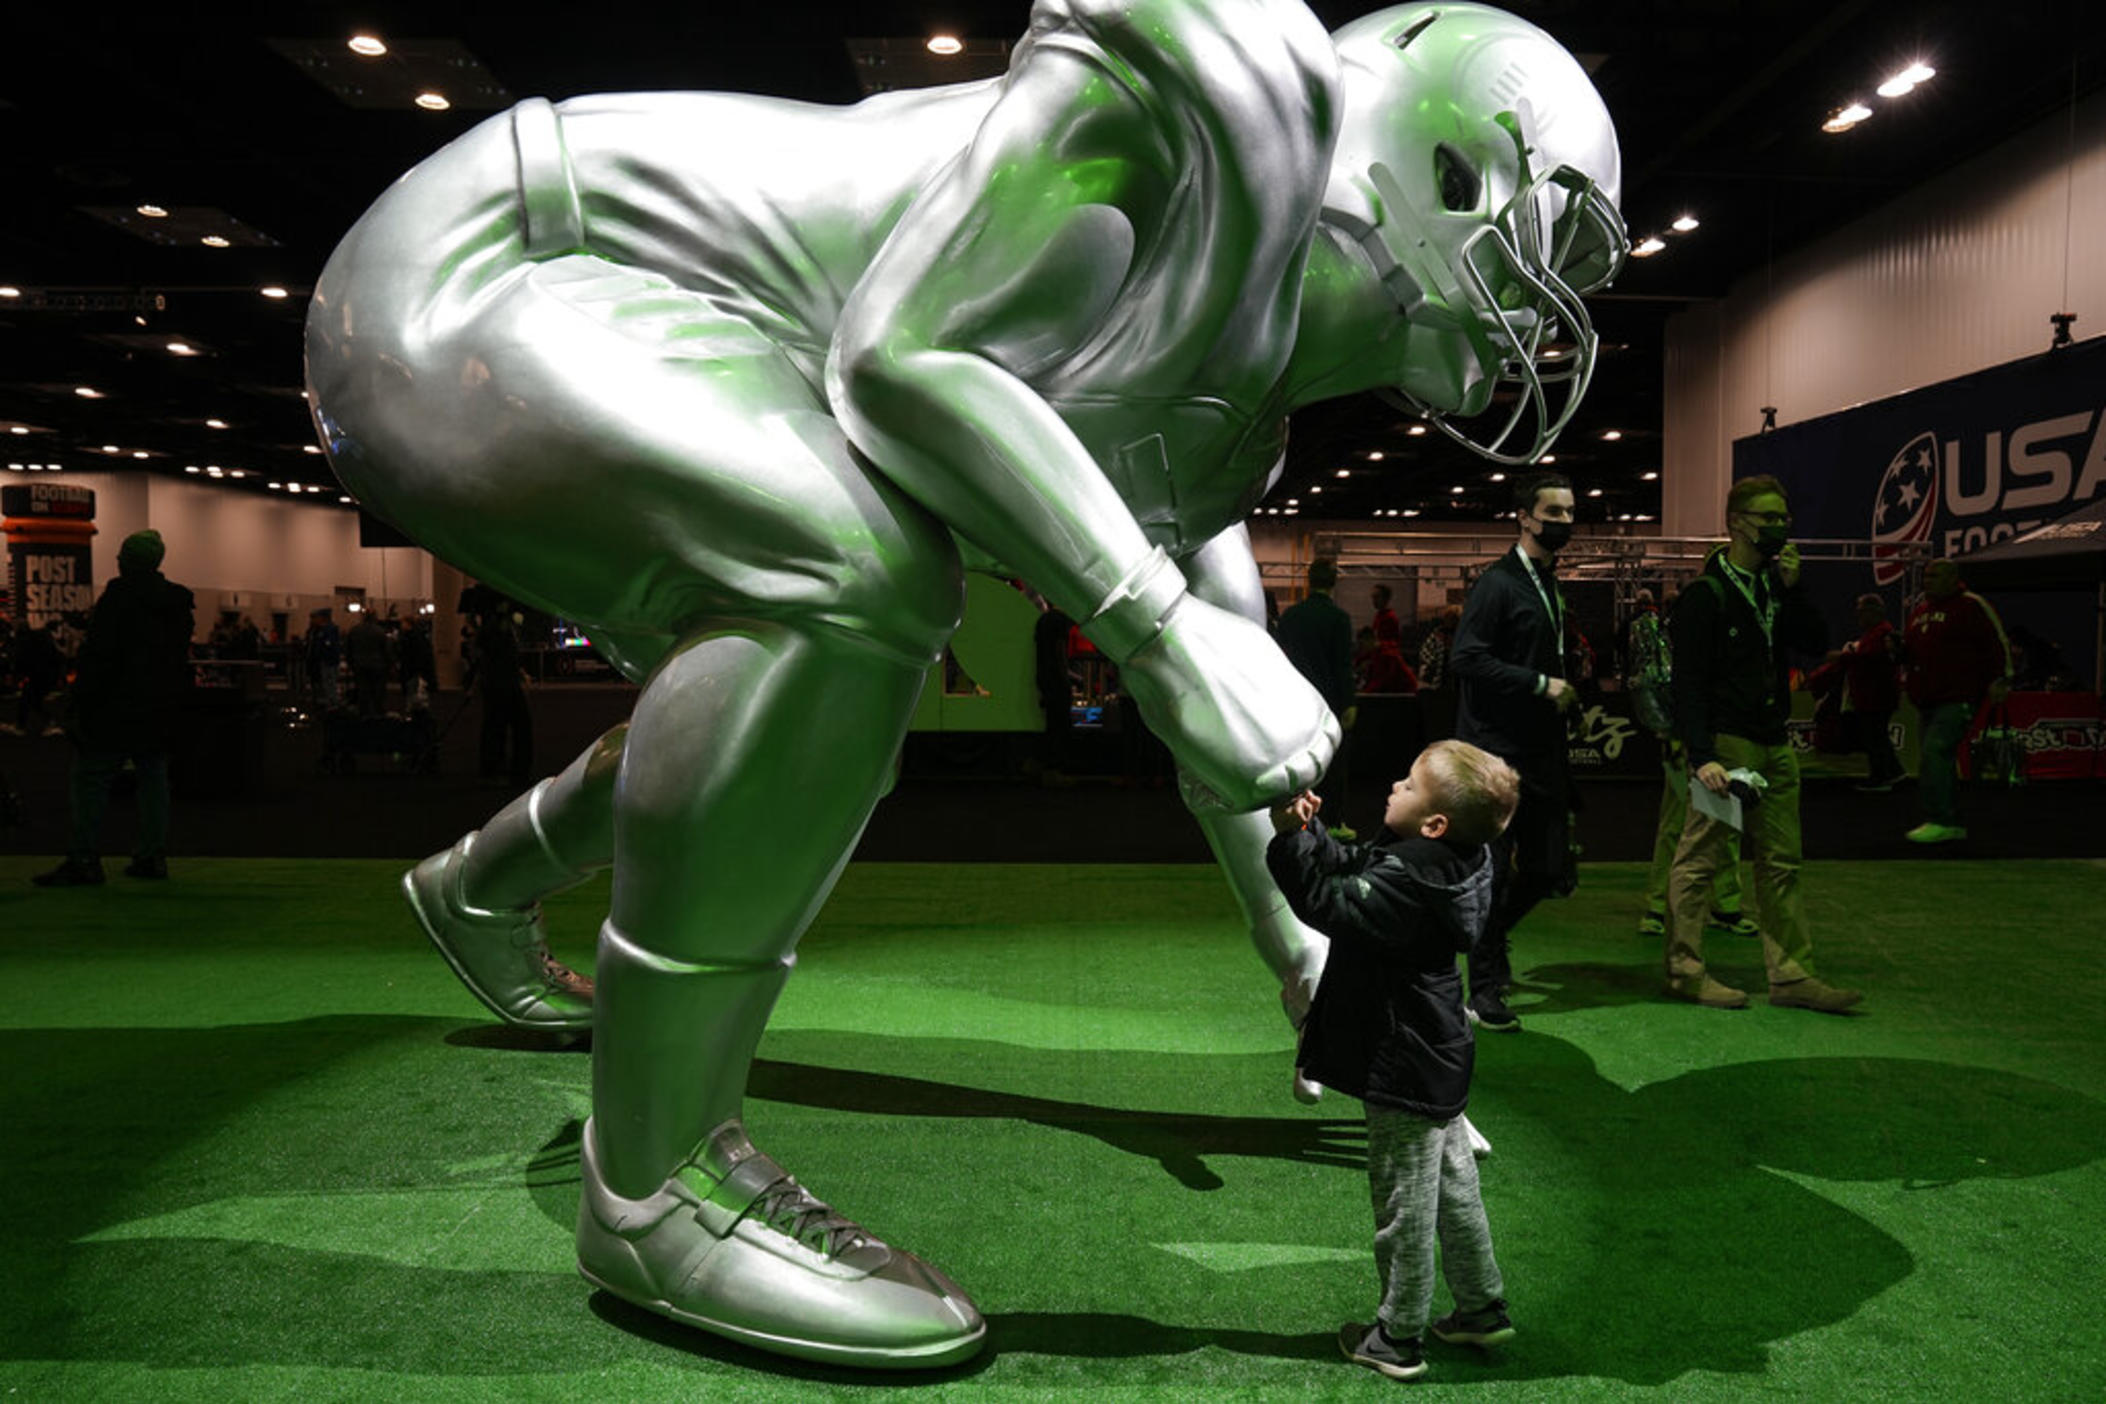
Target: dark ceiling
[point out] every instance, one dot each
(1718, 104)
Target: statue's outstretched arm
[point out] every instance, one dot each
(1002, 276)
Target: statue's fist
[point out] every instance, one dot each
(1240, 719)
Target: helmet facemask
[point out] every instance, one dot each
(1480, 236)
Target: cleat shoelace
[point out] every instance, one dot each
(789, 1208)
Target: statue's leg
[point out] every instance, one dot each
(753, 760)
(1224, 573)
(480, 900)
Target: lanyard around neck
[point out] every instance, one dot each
(1550, 604)
(1765, 612)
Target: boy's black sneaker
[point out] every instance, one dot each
(1488, 1011)
(1366, 1345)
(1487, 1326)
(74, 872)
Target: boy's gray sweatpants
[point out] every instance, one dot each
(1424, 1183)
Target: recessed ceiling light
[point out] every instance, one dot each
(367, 45)
(87, 392)
(10, 291)
(181, 348)
(1294, 502)
(190, 468)
(1648, 477)
(274, 291)
(18, 429)
(1415, 430)
(1316, 487)
(1612, 435)
(239, 473)
(111, 448)
(215, 424)
(1411, 511)
(1648, 246)
(1374, 455)
(1548, 458)
(1844, 118)
(342, 498)
(310, 448)
(1498, 477)
(153, 212)
(276, 486)
(1345, 472)
(216, 241)
(945, 44)
(1457, 488)
(433, 102)
(1594, 492)
(1906, 80)
(1684, 224)
(139, 453)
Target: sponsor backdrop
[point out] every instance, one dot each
(50, 566)
(1953, 467)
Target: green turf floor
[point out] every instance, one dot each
(259, 1145)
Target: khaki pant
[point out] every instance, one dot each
(1771, 840)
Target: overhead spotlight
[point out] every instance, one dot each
(945, 44)
(215, 424)
(433, 102)
(153, 211)
(18, 429)
(87, 392)
(1648, 246)
(1345, 472)
(1648, 477)
(1458, 489)
(190, 468)
(1594, 492)
(310, 448)
(111, 448)
(1612, 435)
(1416, 430)
(1843, 119)
(1548, 458)
(1906, 80)
(274, 292)
(1374, 455)
(239, 473)
(276, 487)
(342, 498)
(1623, 516)
(1294, 502)
(1497, 477)
(10, 291)
(181, 348)
(139, 453)
(216, 241)
(1684, 224)
(1411, 511)
(1316, 487)
(367, 45)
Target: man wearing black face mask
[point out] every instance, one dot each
(1732, 631)
(1509, 654)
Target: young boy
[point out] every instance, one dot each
(1387, 1025)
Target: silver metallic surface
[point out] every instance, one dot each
(738, 384)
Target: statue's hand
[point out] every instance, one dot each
(1240, 719)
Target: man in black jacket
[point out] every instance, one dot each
(1733, 631)
(129, 679)
(1510, 655)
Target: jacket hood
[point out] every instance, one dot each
(1462, 906)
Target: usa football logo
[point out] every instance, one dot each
(1905, 508)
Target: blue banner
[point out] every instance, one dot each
(1956, 465)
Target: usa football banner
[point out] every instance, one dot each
(1954, 465)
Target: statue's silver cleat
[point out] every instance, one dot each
(501, 956)
(733, 1244)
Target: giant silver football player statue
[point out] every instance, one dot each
(743, 385)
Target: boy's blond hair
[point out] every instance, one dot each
(1475, 789)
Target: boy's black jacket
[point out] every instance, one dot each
(1387, 1024)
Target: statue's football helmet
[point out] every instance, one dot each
(1478, 169)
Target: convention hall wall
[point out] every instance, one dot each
(275, 553)
(1953, 276)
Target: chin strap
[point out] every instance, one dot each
(1133, 613)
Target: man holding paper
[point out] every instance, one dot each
(1733, 631)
